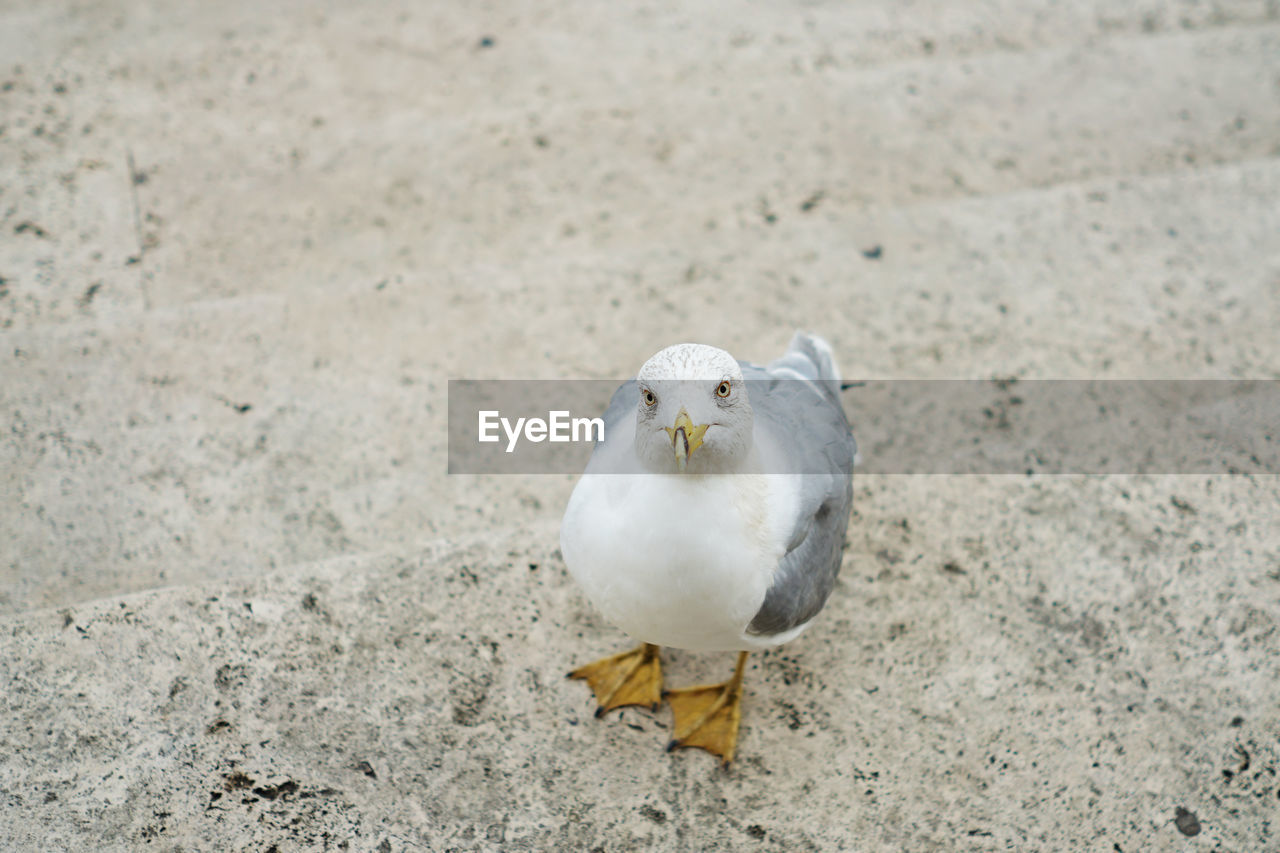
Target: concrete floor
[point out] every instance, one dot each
(242, 607)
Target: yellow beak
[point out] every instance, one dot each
(685, 438)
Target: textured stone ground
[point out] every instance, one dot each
(243, 247)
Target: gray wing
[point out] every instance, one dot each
(612, 454)
(788, 406)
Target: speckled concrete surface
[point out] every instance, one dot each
(245, 246)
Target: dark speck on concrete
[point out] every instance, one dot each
(874, 253)
(239, 408)
(655, 815)
(235, 781)
(271, 792)
(486, 42)
(766, 213)
(1186, 821)
(90, 292)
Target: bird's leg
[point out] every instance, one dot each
(707, 716)
(628, 678)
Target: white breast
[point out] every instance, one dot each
(677, 560)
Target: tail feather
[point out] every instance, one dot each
(810, 357)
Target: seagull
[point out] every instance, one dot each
(711, 517)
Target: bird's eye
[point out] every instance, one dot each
(648, 397)
(723, 389)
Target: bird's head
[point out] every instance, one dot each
(693, 415)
